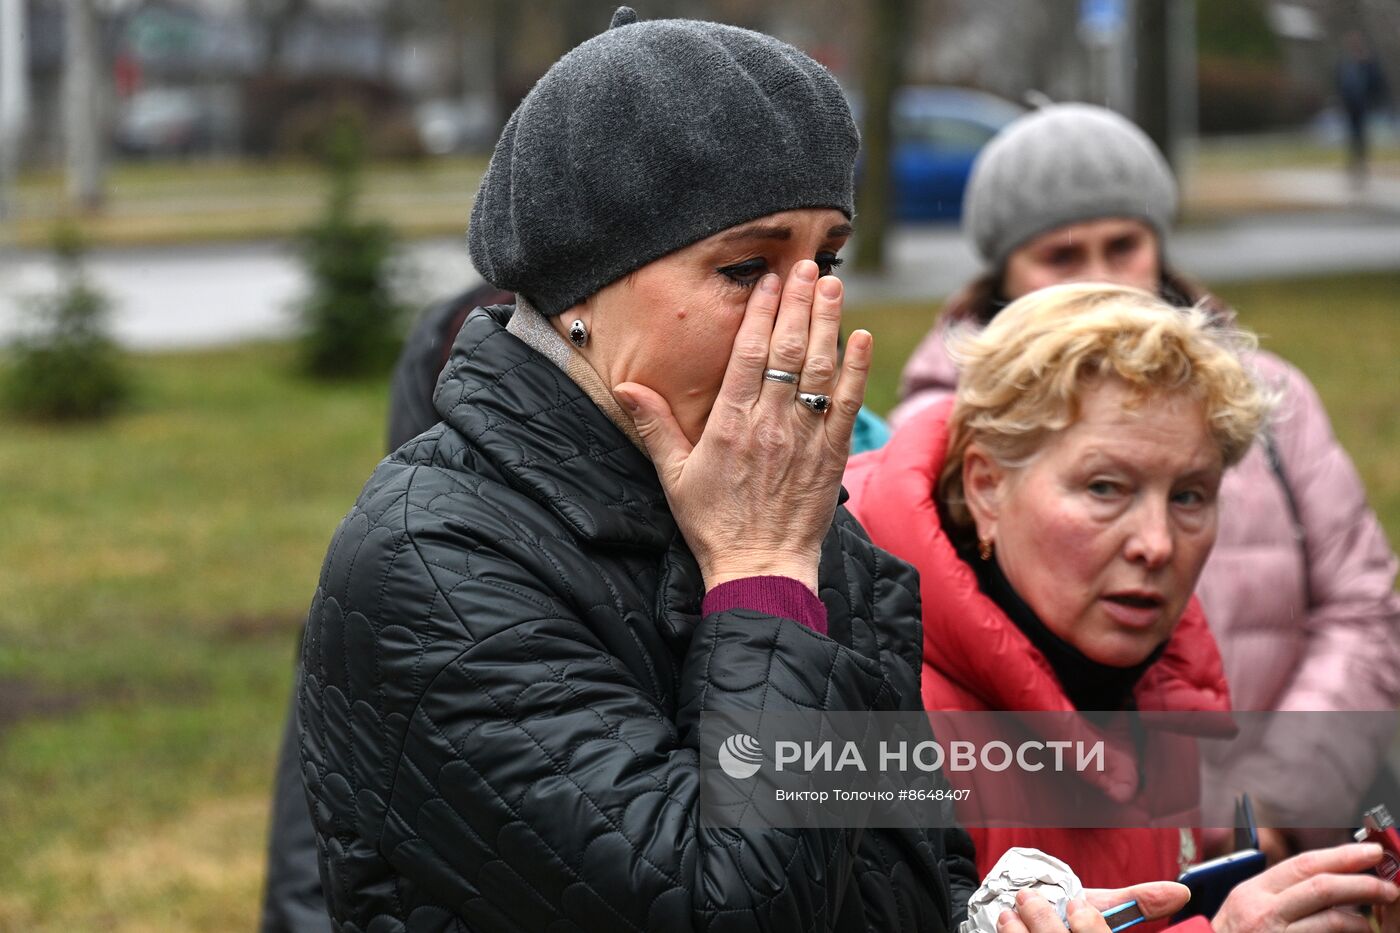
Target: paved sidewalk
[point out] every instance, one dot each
(209, 295)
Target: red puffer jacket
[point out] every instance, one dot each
(976, 658)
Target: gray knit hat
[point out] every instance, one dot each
(647, 138)
(1064, 164)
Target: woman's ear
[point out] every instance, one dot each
(984, 481)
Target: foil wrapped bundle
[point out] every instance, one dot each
(1020, 868)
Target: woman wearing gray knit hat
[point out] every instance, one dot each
(1300, 587)
(627, 519)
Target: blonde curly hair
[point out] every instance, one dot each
(1023, 376)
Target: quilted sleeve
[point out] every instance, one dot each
(478, 738)
(896, 860)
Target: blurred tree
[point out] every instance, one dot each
(277, 18)
(504, 19)
(1237, 29)
(14, 96)
(886, 38)
(1244, 85)
(67, 368)
(351, 319)
(82, 111)
(1152, 85)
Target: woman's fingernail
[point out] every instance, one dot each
(830, 287)
(770, 283)
(628, 402)
(861, 340)
(1005, 918)
(806, 271)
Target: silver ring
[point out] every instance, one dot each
(820, 404)
(780, 375)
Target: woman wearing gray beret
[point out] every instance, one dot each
(627, 518)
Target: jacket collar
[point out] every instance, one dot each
(552, 443)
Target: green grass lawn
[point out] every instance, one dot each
(154, 572)
(183, 202)
(1286, 152)
(176, 202)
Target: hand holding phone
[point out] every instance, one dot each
(1211, 882)
(1317, 888)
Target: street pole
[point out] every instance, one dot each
(882, 68)
(1103, 29)
(81, 105)
(14, 98)
(1153, 88)
(1181, 51)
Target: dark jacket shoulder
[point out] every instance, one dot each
(506, 665)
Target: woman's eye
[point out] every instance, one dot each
(1191, 498)
(1102, 488)
(1123, 246)
(1061, 258)
(828, 263)
(745, 273)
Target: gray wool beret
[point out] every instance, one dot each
(1064, 164)
(647, 138)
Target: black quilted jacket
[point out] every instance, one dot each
(504, 672)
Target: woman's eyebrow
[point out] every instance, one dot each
(778, 232)
(758, 232)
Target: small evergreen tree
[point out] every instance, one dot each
(350, 318)
(66, 367)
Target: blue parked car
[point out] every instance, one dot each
(937, 133)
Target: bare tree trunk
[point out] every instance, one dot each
(883, 66)
(81, 105)
(505, 19)
(277, 18)
(1181, 79)
(1153, 90)
(14, 97)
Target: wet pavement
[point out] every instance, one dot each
(216, 294)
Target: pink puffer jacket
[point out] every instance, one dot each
(1306, 619)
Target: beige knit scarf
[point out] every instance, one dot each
(534, 330)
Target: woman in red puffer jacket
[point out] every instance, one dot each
(1059, 512)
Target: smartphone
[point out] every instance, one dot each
(1211, 882)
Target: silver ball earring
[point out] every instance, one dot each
(578, 333)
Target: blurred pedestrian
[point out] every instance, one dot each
(1362, 88)
(423, 357)
(1300, 587)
